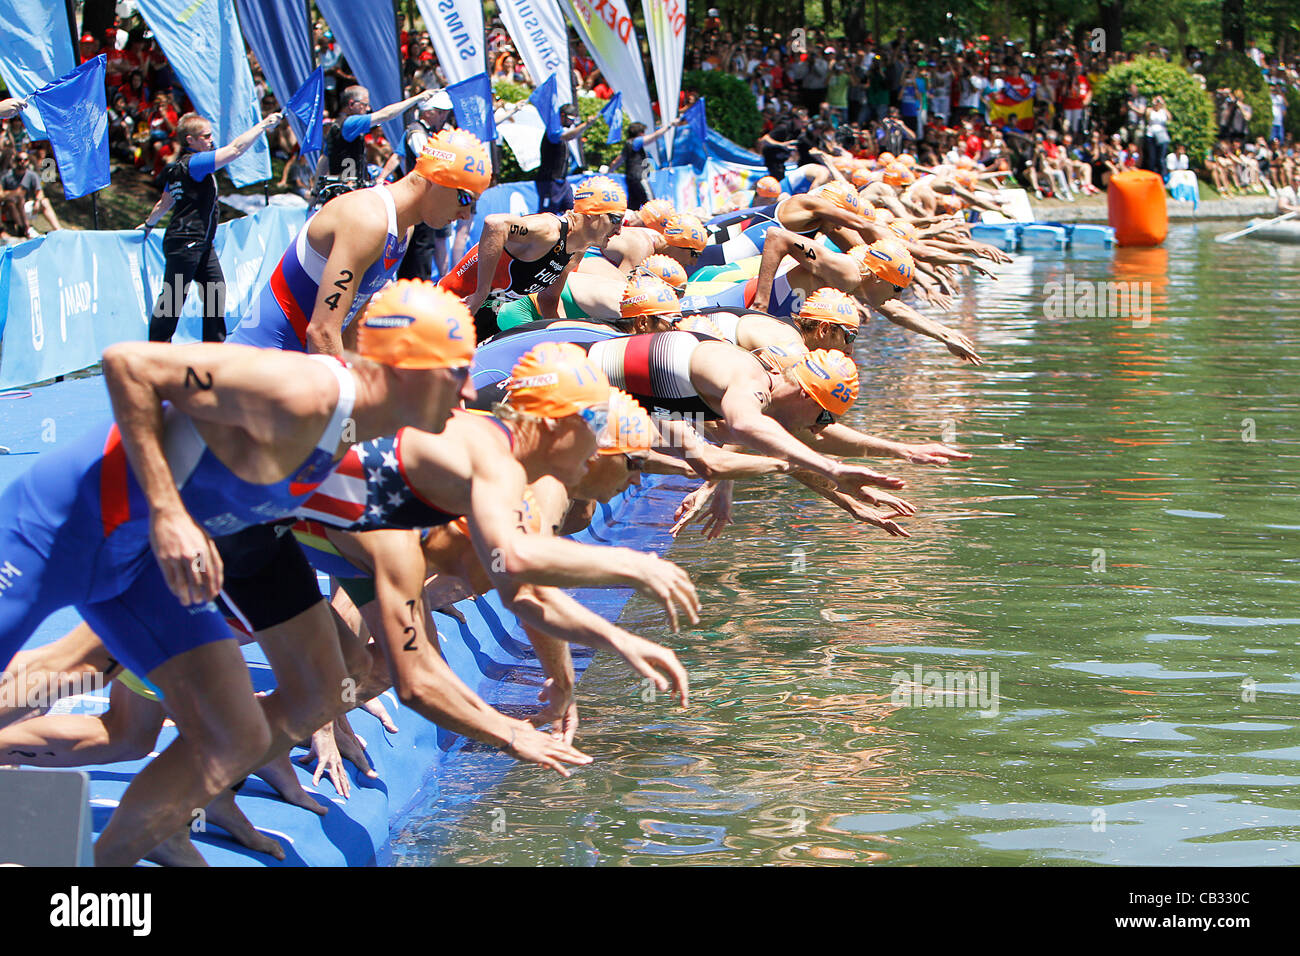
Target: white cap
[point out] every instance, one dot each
(713, 12)
(440, 100)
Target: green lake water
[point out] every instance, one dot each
(1120, 562)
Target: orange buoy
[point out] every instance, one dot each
(1136, 202)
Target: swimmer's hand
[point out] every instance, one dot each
(962, 347)
(884, 499)
(930, 453)
(853, 479)
(560, 709)
(531, 745)
(653, 661)
(190, 562)
(691, 506)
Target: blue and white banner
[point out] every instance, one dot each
(76, 120)
(612, 114)
(201, 40)
(35, 47)
(72, 294)
(307, 105)
(279, 35)
(456, 28)
(367, 33)
(539, 33)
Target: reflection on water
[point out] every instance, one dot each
(1121, 553)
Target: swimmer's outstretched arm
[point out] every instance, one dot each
(857, 509)
(422, 678)
(902, 314)
(845, 442)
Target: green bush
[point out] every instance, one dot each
(1234, 70)
(1291, 121)
(729, 105)
(1191, 109)
(593, 140)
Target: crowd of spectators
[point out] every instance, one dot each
(815, 92)
(940, 98)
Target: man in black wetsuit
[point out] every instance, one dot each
(552, 187)
(190, 186)
(425, 239)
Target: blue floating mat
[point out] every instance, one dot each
(1043, 236)
(483, 643)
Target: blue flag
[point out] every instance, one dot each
(472, 101)
(203, 44)
(75, 111)
(544, 99)
(697, 122)
(37, 47)
(279, 34)
(308, 104)
(612, 114)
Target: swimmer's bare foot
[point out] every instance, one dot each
(279, 773)
(225, 813)
(177, 850)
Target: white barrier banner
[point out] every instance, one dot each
(456, 29)
(537, 29)
(665, 27)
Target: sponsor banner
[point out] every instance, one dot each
(665, 27)
(456, 28)
(605, 26)
(72, 294)
(538, 31)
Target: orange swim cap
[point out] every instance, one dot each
(656, 213)
(829, 378)
(649, 295)
(456, 159)
(907, 159)
(701, 323)
(881, 215)
(414, 324)
(628, 429)
(861, 176)
(599, 194)
(951, 203)
(884, 159)
(967, 178)
(903, 228)
(767, 188)
(686, 232)
(831, 305)
(665, 268)
(887, 260)
(554, 380)
(896, 174)
(841, 194)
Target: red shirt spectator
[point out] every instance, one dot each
(1076, 94)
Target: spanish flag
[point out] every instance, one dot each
(1013, 104)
